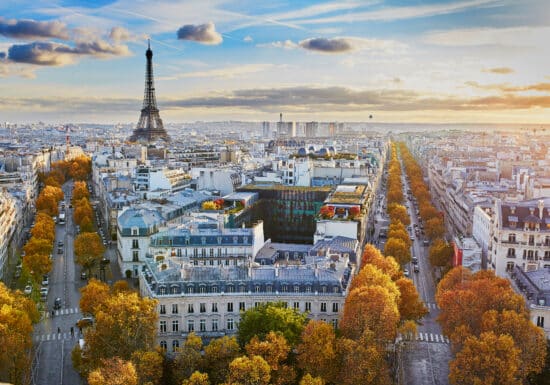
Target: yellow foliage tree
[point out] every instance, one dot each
(398, 249)
(249, 371)
(89, 250)
(114, 371)
(317, 351)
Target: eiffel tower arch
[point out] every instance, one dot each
(149, 128)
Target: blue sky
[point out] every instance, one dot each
(402, 61)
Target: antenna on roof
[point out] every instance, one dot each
(148, 43)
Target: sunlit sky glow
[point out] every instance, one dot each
(402, 61)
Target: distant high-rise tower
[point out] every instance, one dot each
(149, 127)
(266, 131)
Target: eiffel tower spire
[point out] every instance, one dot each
(149, 127)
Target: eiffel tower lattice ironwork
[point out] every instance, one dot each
(149, 127)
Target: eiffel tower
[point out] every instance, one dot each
(149, 128)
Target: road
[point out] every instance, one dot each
(52, 336)
(425, 360)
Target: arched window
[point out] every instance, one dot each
(175, 345)
(163, 345)
(162, 290)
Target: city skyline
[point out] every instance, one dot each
(435, 62)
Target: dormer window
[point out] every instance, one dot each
(512, 209)
(203, 240)
(219, 240)
(135, 231)
(235, 239)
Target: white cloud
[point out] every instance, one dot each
(248, 39)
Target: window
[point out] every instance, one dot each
(308, 306)
(284, 289)
(190, 308)
(323, 307)
(547, 255)
(175, 325)
(296, 289)
(191, 326)
(214, 325)
(335, 307)
(202, 325)
(214, 289)
(174, 290)
(230, 307)
(175, 308)
(230, 324)
(334, 323)
(163, 326)
(230, 289)
(163, 345)
(162, 309)
(512, 238)
(531, 240)
(296, 305)
(202, 308)
(547, 241)
(510, 266)
(511, 253)
(540, 321)
(162, 290)
(135, 255)
(190, 290)
(135, 244)
(242, 306)
(257, 288)
(134, 231)
(175, 345)
(214, 307)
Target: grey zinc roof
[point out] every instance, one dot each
(143, 219)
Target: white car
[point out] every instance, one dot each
(406, 272)
(28, 290)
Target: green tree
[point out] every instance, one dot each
(271, 317)
(188, 358)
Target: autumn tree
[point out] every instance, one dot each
(17, 316)
(44, 227)
(37, 265)
(124, 324)
(187, 359)
(197, 378)
(38, 246)
(370, 308)
(529, 338)
(271, 317)
(93, 296)
(440, 253)
(80, 191)
(373, 256)
(249, 371)
(82, 210)
(50, 181)
(47, 204)
(399, 213)
(398, 249)
(148, 366)
(370, 275)
(316, 354)
(434, 228)
(402, 234)
(361, 362)
(89, 250)
(218, 354)
(309, 380)
(410, 305)
(86, 225)
(114, 371)
(489, 360)
(274, 350)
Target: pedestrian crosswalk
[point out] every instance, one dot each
(56, 337)
(425, 337)
(431, 305)
(71, 310)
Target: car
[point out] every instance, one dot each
(425, 242)
(412, 238)
(60, 243)
(70, 205)
(83, 275)
(44, 291)
(45, 280)
(17, 273)
(57, 303)
(406, 272)
(85, 322)
(59, 250)
(415, 261)
(28, 290)
(416, 269)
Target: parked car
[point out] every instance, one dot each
(406, 272)
(83, 275)
(416, 269)
(59, 250)
(28, 290)
(45, 280)
(60, 243)
(57, 303)
(425, 242)
(415, 261)
(85, 322)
